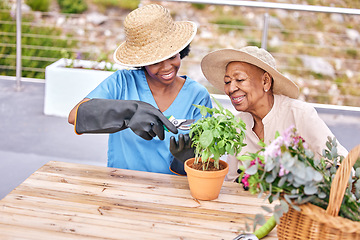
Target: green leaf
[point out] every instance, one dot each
(247, 157)
(277, 217)
(282, 181)
(297, 208)
(324, 153)
(269, 210)
(284, 206)
(216, 133)
(203, 111)
(217, 103)
(247, 227)
(221, 144)
(287, 198)
(260, 219)
(229, 149)
(322, 195)
(262, 144)
(204, 156)
(206, 138)
(307, 199)
(269, 178)
(252, 170)
(216, 155)
(277, 134)
(310, 189)
(328, 145)
(357, 172)
(317, 176)
(334, 152)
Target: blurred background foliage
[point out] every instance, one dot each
(47, 43)
(92, 29)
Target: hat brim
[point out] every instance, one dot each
(213, 66)
(157, 51)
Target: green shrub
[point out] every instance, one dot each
(316, 75)
(8, 52)
(72, 6)
(39, 5)
(254, 42)
(352, 53)
(340, 80)
(199, 6)
(129, 4)
(229, 24)
(124, 4)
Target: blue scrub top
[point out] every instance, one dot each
(126, 149)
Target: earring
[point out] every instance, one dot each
(266, 90)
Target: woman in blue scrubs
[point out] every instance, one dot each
(132, 104)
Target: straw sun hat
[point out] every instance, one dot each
(152, 36)
(213, 66)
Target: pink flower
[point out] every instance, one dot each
(245, 181)
(282, 171)
(287, 136)
(273, 150)
(253, 162)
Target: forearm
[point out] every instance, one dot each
(72, 114)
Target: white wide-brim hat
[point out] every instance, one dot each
(213, 66)
(152, 36)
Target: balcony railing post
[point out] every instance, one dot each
(265, 31)
(18, 45)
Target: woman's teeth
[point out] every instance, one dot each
(167, 75)
(238, 99)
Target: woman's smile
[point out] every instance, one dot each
(238, 99)
(164, 72)
(168, 76)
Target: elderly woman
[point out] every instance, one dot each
(266, 100)
(133, 104)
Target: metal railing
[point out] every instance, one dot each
(258, 34)
(18, 45)
(269, 5)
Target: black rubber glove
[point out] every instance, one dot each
(182, 151)
(109, 116)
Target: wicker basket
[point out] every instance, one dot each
(316, 223)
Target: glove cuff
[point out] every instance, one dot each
(76, 116)
(103, 115)
(177, 167)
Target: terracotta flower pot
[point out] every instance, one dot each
(205, 185)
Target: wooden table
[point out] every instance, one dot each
(74, 201)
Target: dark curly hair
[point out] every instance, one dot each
(185, 51)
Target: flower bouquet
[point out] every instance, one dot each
(288, 173)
